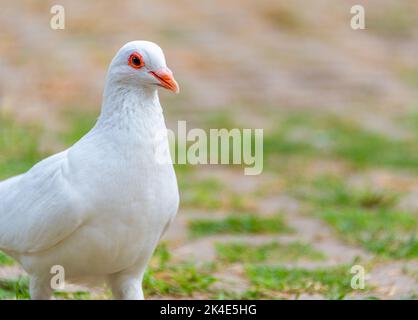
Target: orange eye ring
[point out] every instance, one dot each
(136, 61)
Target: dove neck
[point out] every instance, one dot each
(129, 107)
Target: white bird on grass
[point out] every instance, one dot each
(99, 208)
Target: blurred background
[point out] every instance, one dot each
(339, 109)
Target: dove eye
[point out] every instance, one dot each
(136, 61)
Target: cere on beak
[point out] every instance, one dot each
(166, 79)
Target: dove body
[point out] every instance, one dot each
(99, 208)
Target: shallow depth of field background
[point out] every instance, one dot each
(339, 110)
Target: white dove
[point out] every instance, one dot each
(99, 208)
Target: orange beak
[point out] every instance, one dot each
(166, 79)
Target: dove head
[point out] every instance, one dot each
(142, 64)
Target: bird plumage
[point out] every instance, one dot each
(99, 208)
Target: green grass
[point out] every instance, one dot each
(14, 288)
(19, 289)
(76, 295)
(365, 217)
(80, 124)
(5, 260)
(18, 147)
(202, 193)
(19, 143)
(238, 224)
(224, 119)
(388, 233)
(331, 191)
(326, 136)
(273, 251)
(181, 279)
(210, 194)
(269, 281)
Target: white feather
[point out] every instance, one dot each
(99, 208)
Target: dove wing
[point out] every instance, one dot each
(38, 209)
